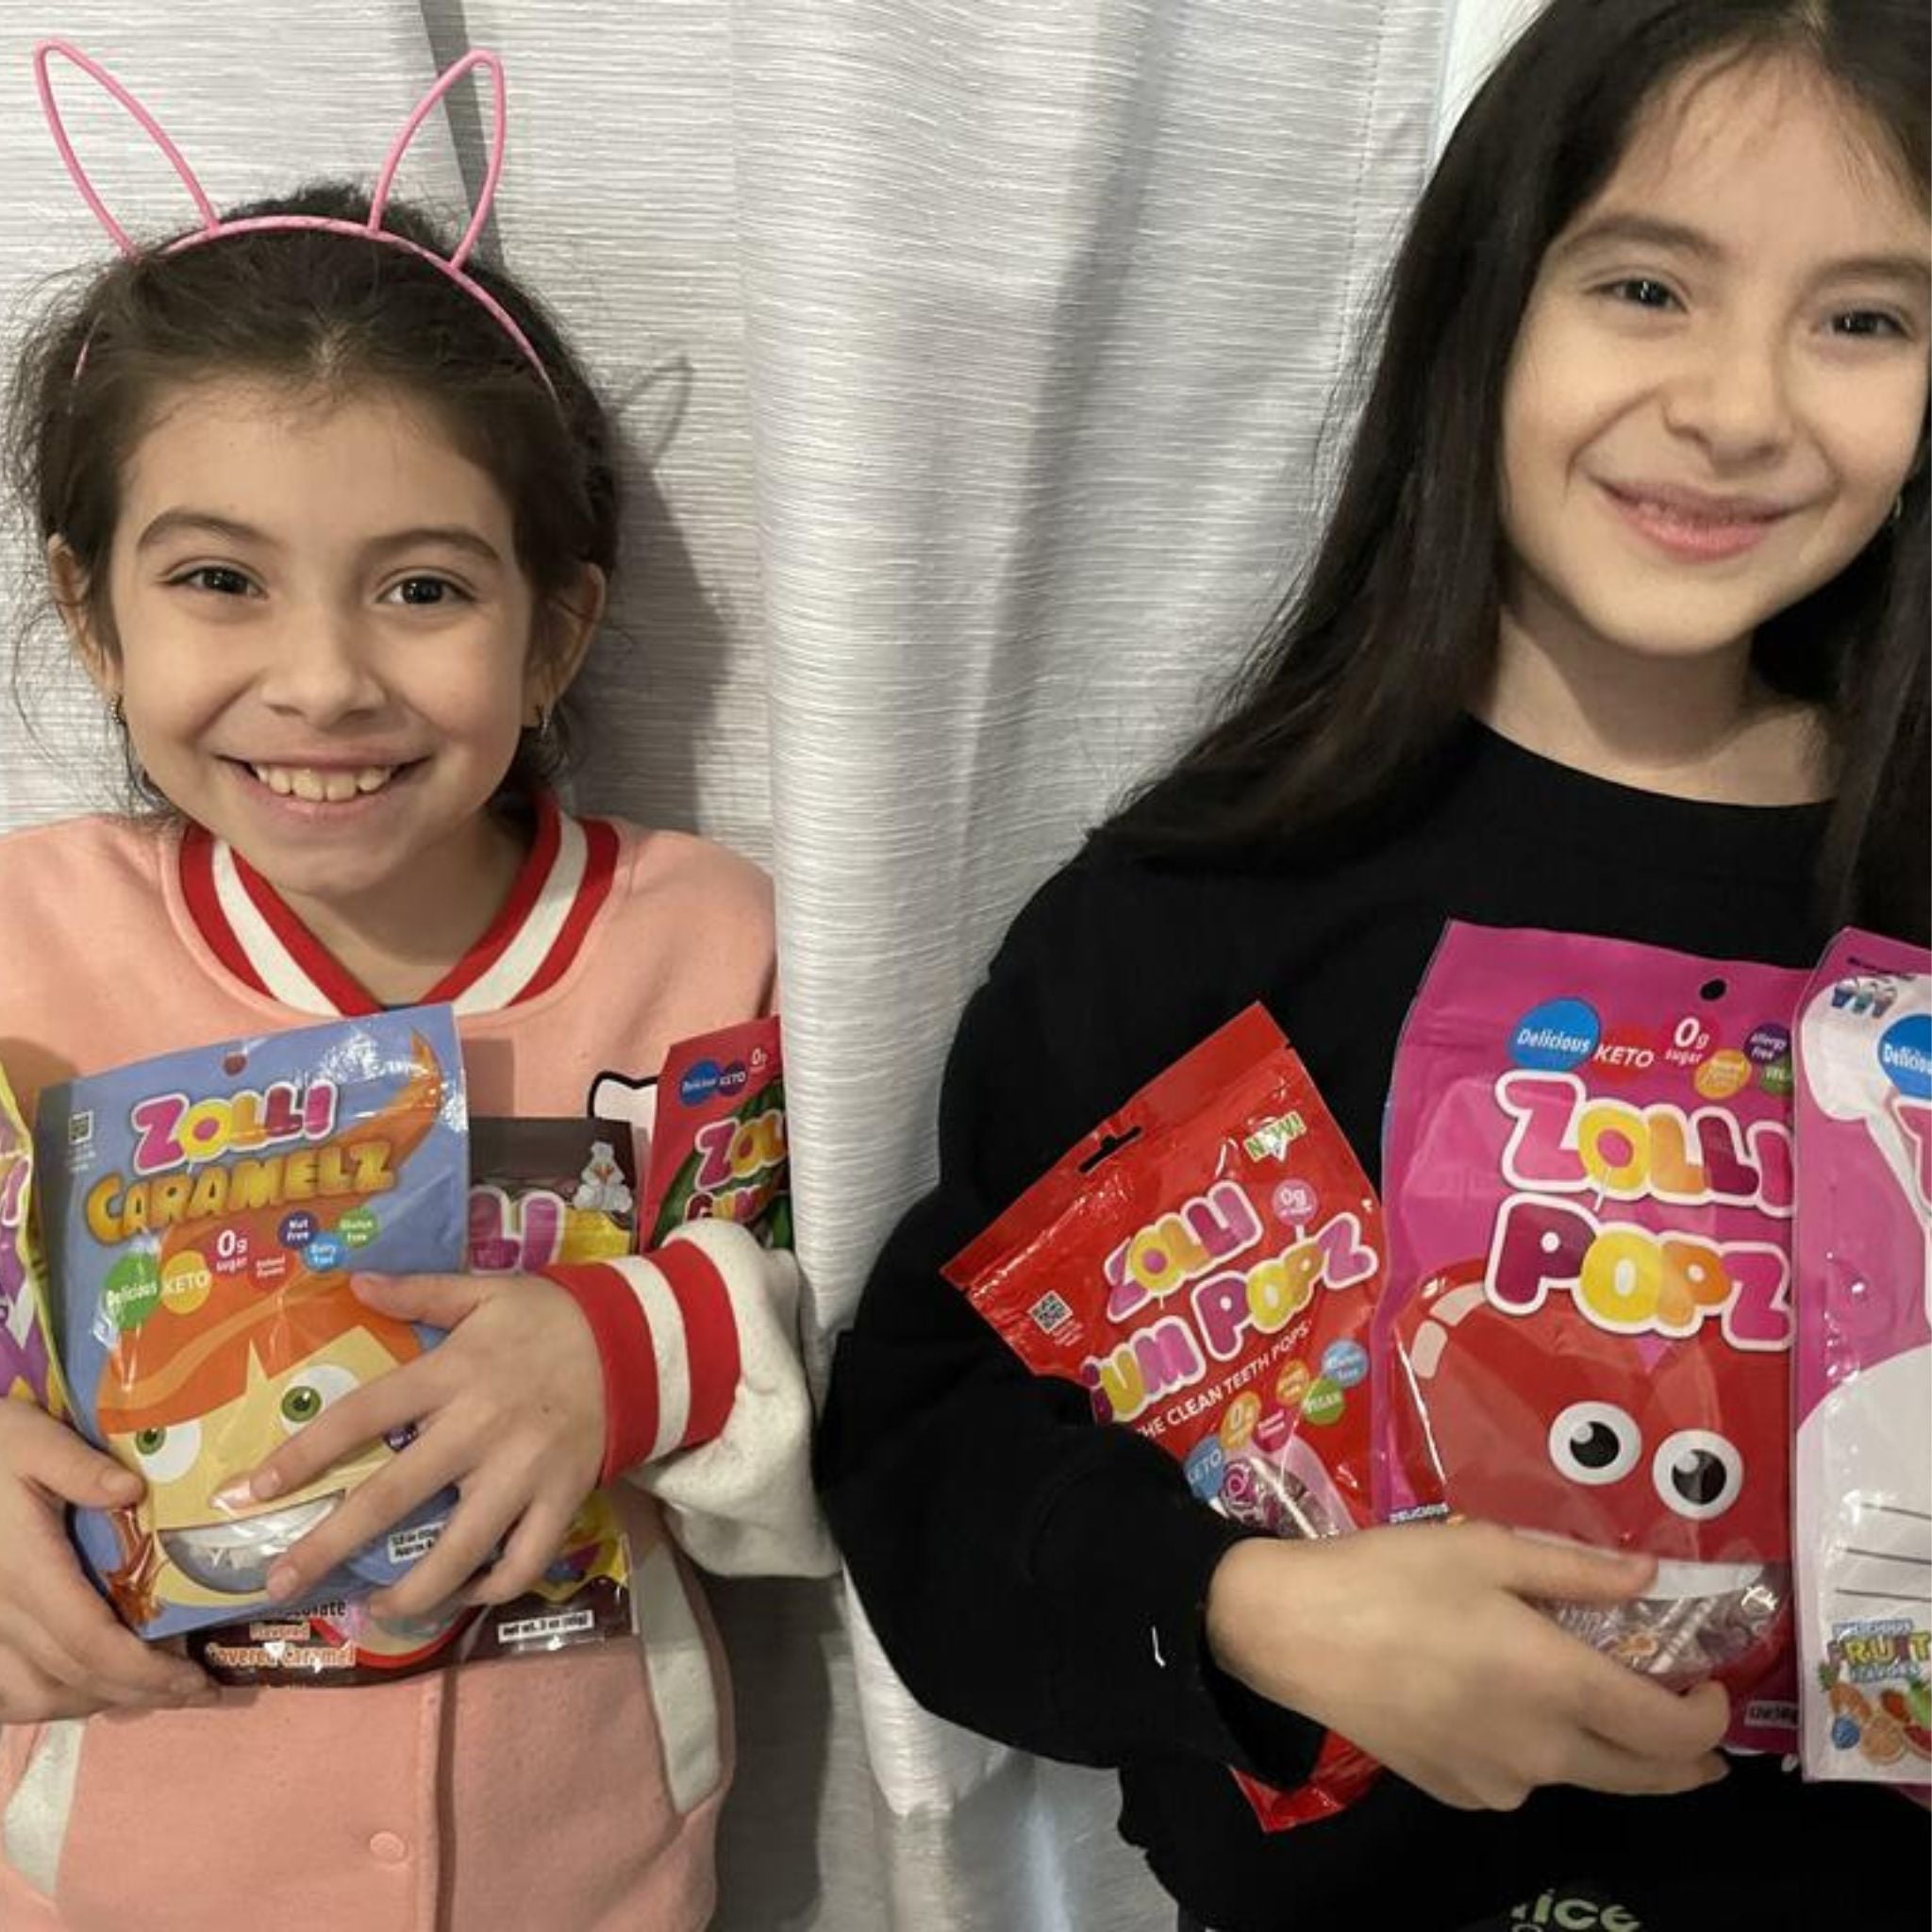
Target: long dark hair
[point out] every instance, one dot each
(329, 313)
(1391, 635)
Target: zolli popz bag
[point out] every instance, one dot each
(1588, 1327)
(1204, 1265)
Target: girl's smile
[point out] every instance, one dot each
(1689, 524)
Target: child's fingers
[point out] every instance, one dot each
(391, 1403)
(29, 1695)
(58, 1460)
(1568, 1573)
(432, 1463)
(441, 1300)
(459, 1552)
(529, 1553)
(1641, 1716)
(72, 1637)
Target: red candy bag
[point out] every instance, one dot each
(718, 1147)
(1205, 1264)
(1588, 1327)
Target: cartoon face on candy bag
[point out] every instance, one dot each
(1588, 1324)
(203, 1212)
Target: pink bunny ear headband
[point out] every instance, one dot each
(213, 228)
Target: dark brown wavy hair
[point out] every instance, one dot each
(327, 313)
(1391, 633)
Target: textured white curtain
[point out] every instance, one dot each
(973, 359)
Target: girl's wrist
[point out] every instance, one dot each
(1256, 1631)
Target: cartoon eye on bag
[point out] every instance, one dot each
(1698, 1473)
(166, 1454)
(318, 1387)
(1594, 1443)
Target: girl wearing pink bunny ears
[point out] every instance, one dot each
(328, 510)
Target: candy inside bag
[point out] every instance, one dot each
(586, 1597)
(1863, 1469)
(1204, 1264)
(1588, 1324)
(202, 1212)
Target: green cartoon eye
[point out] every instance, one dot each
(322, 1384)
(301, 1403)
(163, 1454)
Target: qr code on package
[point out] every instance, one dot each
(1049, 1312)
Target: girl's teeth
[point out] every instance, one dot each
(322, 788)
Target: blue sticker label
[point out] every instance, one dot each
(1345, 1363)
(699, 1083)
(1557, 1036)
(1204, 1466)
(324, 1255)
(1904, 1051)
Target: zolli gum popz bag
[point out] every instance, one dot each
(1588, 1324)
(202, 1212)
(1204, 1265)
(1864, 1471)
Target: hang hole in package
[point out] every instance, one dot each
(202, 1212)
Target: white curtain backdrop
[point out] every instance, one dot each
(974, 361)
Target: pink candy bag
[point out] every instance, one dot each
(1587, 1325)
(1864, 1363)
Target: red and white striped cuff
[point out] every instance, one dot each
(668, 1340)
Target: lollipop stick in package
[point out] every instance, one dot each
(1864, 1371)
(203, 1211)
(1588, 1326)
(1204, 1265)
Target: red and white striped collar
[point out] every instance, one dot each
(527, 948)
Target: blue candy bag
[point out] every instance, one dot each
(201, 1213)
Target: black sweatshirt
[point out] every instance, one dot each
(1040, 1579)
